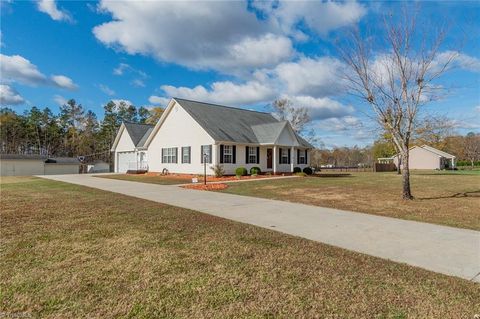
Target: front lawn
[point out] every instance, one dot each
(69, 251)
(445, 197)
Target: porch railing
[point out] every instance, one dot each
(136, 166)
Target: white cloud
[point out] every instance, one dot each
(341, 124)
(121, 68)
(316, 77)
(477, 108)
(138, 83)
(224, 93)
(460, 60)
(319, 16)
(60, 100)
(158, 100)
(50, 7)
(321, 108)
(9, 96)
(105, 89)
(64, 82)
(216, 35)
(16, 68)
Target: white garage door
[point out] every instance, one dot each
(124, 158)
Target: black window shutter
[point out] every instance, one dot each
(162, 154)
(289, 155)
(306, 161)
(201, 154)
(258, 155)
(234, 154)
(176, 155)
(221, 154)
(280, 155)
(189, 154)
(246, 154)
(298, 156)
(210, 154)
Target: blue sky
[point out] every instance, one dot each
(243, 54)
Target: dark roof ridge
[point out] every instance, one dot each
(213, 104)
(128, 122)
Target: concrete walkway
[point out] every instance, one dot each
(447, 250)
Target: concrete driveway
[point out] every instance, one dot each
(447, 250)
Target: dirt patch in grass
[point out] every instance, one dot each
(73, 252)
(441, 198)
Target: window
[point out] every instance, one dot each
(228, 154)
(169, 155)
(186, 154)
(302, 157)
(284, 156)
(252, 155)
(206, 150)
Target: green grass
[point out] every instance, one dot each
(69, 251)
(162, 180)
(441, 197)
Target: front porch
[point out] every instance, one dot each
(273, 159)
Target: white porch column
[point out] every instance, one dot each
(292, 159)
(275, 159)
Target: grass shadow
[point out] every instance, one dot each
(456, 195)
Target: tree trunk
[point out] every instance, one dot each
(399, 170)
(406, 192)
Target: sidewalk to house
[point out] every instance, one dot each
(442, 249)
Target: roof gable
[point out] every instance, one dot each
(438, 152)
(138, 132)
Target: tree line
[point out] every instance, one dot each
(466, 148)
(72, 132)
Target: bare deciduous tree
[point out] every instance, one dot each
(471, 147)
(395, 72)
(286, 111)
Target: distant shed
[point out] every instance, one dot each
(21, 165)
(62, 165)
(26, 164)
(98, 167)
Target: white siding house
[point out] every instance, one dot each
(427, 157)
(227, 136)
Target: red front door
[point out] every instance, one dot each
(269, 158)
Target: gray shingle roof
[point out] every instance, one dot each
(22, 157)
(63, 160)
(138, 132)
(225, 123)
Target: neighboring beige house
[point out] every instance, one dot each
(426, 157)
(190, 131)
(25, 165)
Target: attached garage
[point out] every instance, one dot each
(123, 161)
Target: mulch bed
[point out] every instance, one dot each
(215, 179)
(208, 187)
